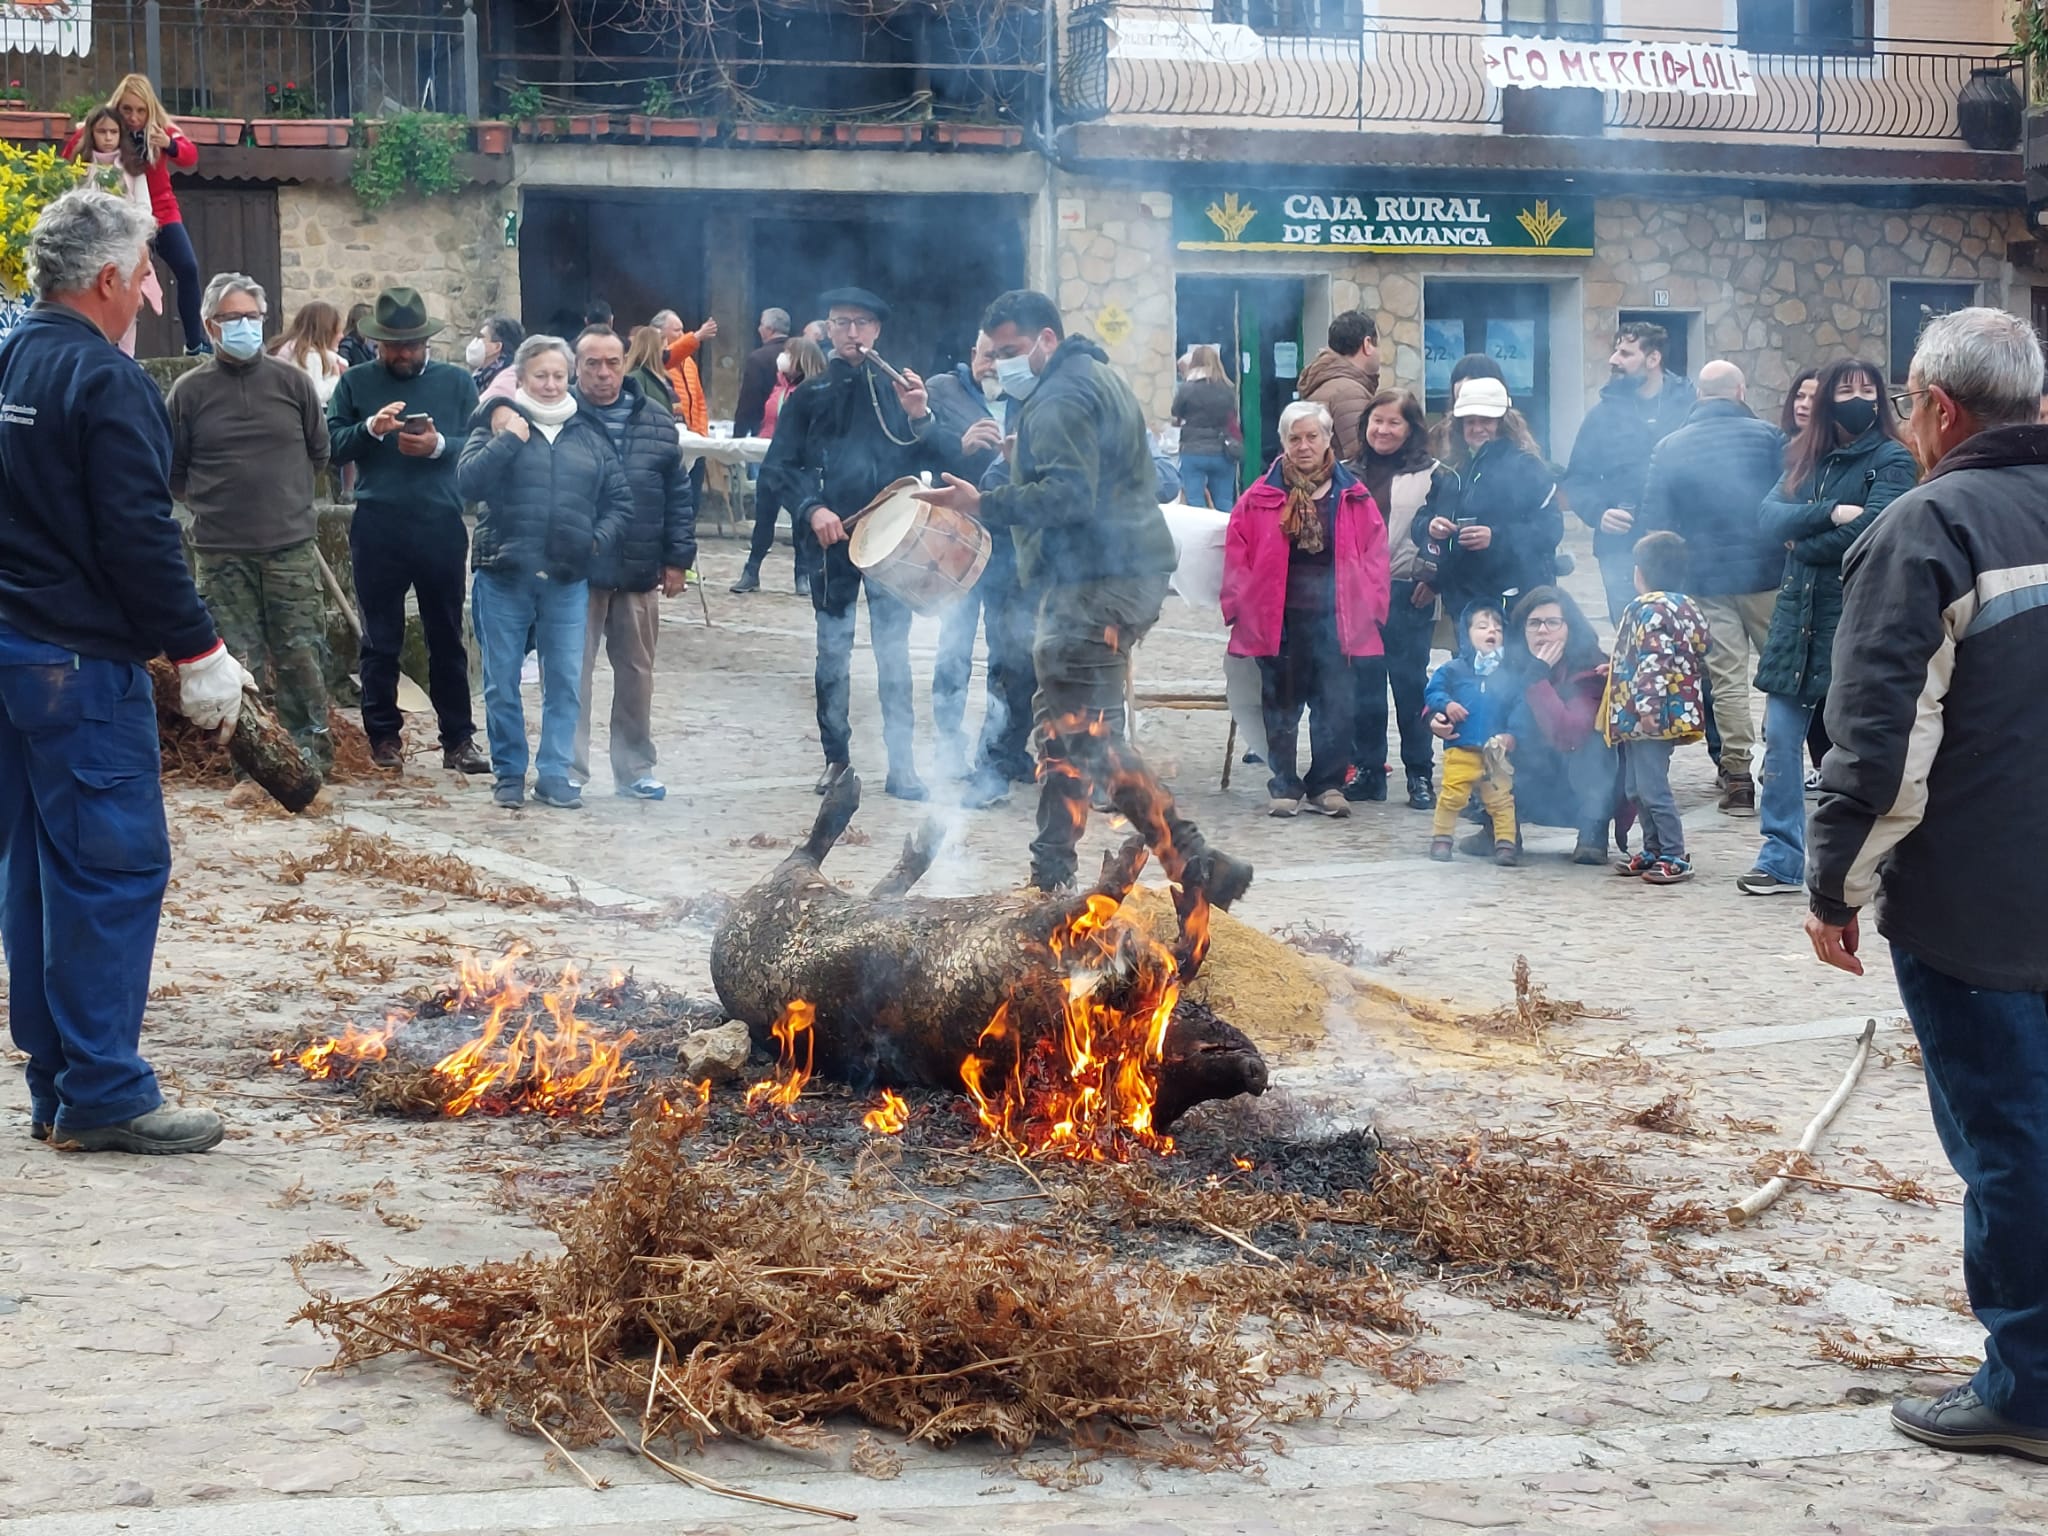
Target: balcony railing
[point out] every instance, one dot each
(1177, 63)
(789, 61)
(357, 57)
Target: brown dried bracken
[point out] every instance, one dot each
(1534, 1010)
(704, 1305)
(1845, 1348)
(1628, 1337)
(1315, 939)
(346, 850)
(1669, 1116)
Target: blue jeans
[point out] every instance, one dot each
(1781, 798)
(1986, 1059)
(84, 859)
(502, 609)
(1208, 477)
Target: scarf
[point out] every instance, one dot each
(550, 419)
(1301, 522)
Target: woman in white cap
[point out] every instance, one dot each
(1493, 525)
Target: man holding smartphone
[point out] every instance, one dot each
(400, 418)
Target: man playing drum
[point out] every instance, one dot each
(1083, 509)
(840, 439)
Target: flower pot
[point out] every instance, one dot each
(213, 130)
(641, 126)
(878, 135)
(26, 125)
(299, 132)
(978, 135)
(589, 125)
(493, 137)
(779, 133)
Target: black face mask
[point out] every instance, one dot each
(1856, 416)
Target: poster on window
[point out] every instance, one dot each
(62, 27)
(1512, 344)
(1443, 343)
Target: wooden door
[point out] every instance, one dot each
(233, 228)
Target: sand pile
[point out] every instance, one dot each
(1272, 992)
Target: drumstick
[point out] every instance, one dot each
(882, 363)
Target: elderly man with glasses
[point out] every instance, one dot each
(248, 435)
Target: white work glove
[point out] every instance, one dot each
(210, 689)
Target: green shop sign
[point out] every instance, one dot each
(1396, 223)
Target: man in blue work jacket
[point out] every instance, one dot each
(92, 585)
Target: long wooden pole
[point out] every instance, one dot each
(1756, 1204)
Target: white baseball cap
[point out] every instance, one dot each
(1481, 397)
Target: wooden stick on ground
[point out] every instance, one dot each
(1756, 1204)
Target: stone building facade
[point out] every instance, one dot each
(1773, 287)
(451, 248)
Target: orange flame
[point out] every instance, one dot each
(1087, 1091)
(522, 1060)
(792, 1032)
(888, 1117)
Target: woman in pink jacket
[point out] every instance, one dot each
(1305, 590)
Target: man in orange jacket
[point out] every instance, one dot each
(680, 349)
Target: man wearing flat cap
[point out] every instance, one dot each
(402, 419)
(839, 441)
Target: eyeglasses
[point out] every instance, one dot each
(1902, 400)
(851, 322)
(1543, 624)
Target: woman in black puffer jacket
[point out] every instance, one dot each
(554, 499)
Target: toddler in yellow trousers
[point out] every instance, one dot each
(1468, 700)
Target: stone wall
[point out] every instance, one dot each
(1121, 260)
(1813, 289)
(450, 248)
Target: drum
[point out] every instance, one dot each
(928, 556)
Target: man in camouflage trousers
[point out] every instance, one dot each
(248, 434)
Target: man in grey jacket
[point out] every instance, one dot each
(1940, 664)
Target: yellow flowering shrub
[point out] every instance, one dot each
(29, 180)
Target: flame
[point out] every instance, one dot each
(1087, 1090)
(522, 1060)
(888, 1117)
(792, 1032)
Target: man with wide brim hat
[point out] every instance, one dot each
(400, 315)
(840, 439)
(401, 418)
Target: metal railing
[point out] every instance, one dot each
(760, 60)
(1177, 62)
(336, 60)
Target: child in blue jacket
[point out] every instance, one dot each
(1469, 698)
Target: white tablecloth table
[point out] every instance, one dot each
(720, 450)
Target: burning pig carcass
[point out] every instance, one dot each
(1058, 1018)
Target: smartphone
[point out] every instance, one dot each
(417, 423)
(1466, 520)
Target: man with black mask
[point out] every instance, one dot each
(840, 439)
(1082, 508)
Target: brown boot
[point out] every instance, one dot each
(388, 752)
(464, 757)
(1507, 854)
(1738, 795)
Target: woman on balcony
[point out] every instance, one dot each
(151, 146)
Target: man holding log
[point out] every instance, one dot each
(248, 435)
(92, 584)
(1083, 507)
(1941, 663)
(840, 440)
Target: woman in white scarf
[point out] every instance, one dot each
(553, 495)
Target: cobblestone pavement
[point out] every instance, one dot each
(151, 1380)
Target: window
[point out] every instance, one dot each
(1294, 18)
(1912, 306)
(1575, 19)
(1806, 26)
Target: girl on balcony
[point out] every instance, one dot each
(151, 146)
(99, 140)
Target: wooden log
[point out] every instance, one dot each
(260, 746)
(904, 986)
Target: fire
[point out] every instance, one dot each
(793, 1037)
(888, 1117)
(1086, 1092)
(523, 1059)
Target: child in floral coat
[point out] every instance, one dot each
(1653, 702)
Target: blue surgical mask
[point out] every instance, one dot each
(242, 337)
(1015, 376)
